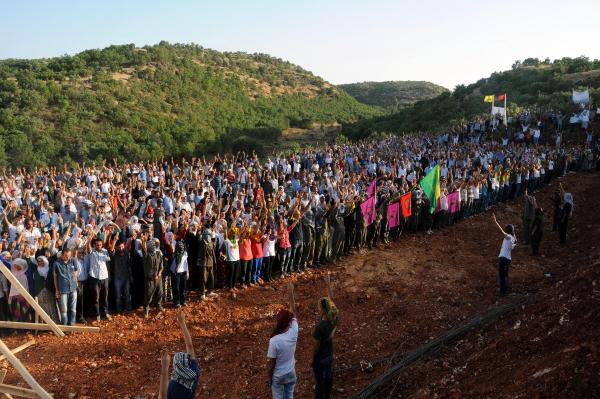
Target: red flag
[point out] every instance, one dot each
(405, 202)
(501, 97)
(393, 214)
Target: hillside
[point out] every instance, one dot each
(530, 83)
(163, 100)
(393, 94)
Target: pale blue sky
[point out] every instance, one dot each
(446, 42)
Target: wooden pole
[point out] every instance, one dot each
(41, 392)
(17, 350)
(40, 326)
(15, 283)
(37, 316)
(7, 390)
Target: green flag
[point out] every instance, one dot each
(431, 187)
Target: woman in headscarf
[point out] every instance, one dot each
(44, 286)
(323, 334)
(505, 257)
(20, 309)
(565, 214)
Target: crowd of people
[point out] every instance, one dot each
(87, 239)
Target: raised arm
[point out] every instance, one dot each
(189, 346)
(498, 224)
(328, 285)
(165, 360)
(292, 298)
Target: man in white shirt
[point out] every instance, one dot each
(98, 278)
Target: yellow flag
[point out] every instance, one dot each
(488, 99)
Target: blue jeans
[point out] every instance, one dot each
(283, 387)
(256, 268)
(122, 287)
(68, 308)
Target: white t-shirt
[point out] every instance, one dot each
(282, 348)
(508, 244)
(233, 250)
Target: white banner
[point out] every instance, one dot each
(583, 116)
(498, 110)
(581, 97)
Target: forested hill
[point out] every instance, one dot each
(534, 84)
(163, 100)
(393, 94)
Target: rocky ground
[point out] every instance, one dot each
(392, 300)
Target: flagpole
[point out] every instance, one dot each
(505, 116)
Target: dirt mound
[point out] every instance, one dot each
(392, 300)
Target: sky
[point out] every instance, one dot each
(447, 42)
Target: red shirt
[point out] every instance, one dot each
(245, 249)
(257, 248)
(284, 239)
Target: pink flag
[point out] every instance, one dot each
(393, 215)
(454, 202)
(368, 210)
(372, 188)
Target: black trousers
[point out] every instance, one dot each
(562, 231)
(80, 299)
(323, 370)
(267, 267)
(100, 291)
(178, 284)
(245, 271)
(233, 268)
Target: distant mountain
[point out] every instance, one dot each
(531, 83)
(393, 94)
(163, 100)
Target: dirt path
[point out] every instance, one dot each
(391, 299)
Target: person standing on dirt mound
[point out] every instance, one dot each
(565, 214)
(505, 258)
(537, 231)
(322, 364)
(528, 216)
(186, 372)
(282, 351)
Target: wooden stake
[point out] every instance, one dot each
(24, 373)
(17, 350)
(15, 283)
(7, 390)
(39, 326)
(2, 375)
